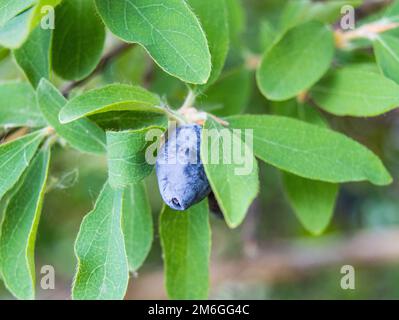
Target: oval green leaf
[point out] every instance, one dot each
(234, 181)
(356, 91)
(312, 201)
(169, 31)
(296, 62)
(34, 55)
(129, 120)
(213, 17)
(19, 227)
(311, 152)
(103, 271)
(115, 97)
(236, 20)
(10, 8)
(78, 39)
(14, 33)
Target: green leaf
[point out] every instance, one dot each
(267, 35)
(299, 11)
(234, 183)
(15, 157)
(213, 17)
(304, 112)
(18, 106)
(126, 155)
(294, 13)
(169, 31)
(356, 91)
(386, 50)
(129, 120)
(19, 227)
(392, 10)
(83, 134)
(3, 53)
(10, 8)
(115, 97)
(186, 245)
(310, 151)
(131, 67)
(78, 39)
(229, 95)
(137, 225)
(236, 20)
(296, 62)
(102, 272)
(34, 55)
(14, 33)
(312, 201)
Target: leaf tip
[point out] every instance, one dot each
(63, 116)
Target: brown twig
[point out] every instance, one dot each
(14, 135)
(367, 31)
(106, 59)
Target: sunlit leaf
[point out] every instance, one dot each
(169, 31)
(10, 8)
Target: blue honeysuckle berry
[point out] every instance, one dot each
(181, 176)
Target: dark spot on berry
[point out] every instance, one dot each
(175, 202)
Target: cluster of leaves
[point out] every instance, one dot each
(301, 68)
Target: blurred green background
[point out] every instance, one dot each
(270, 256)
